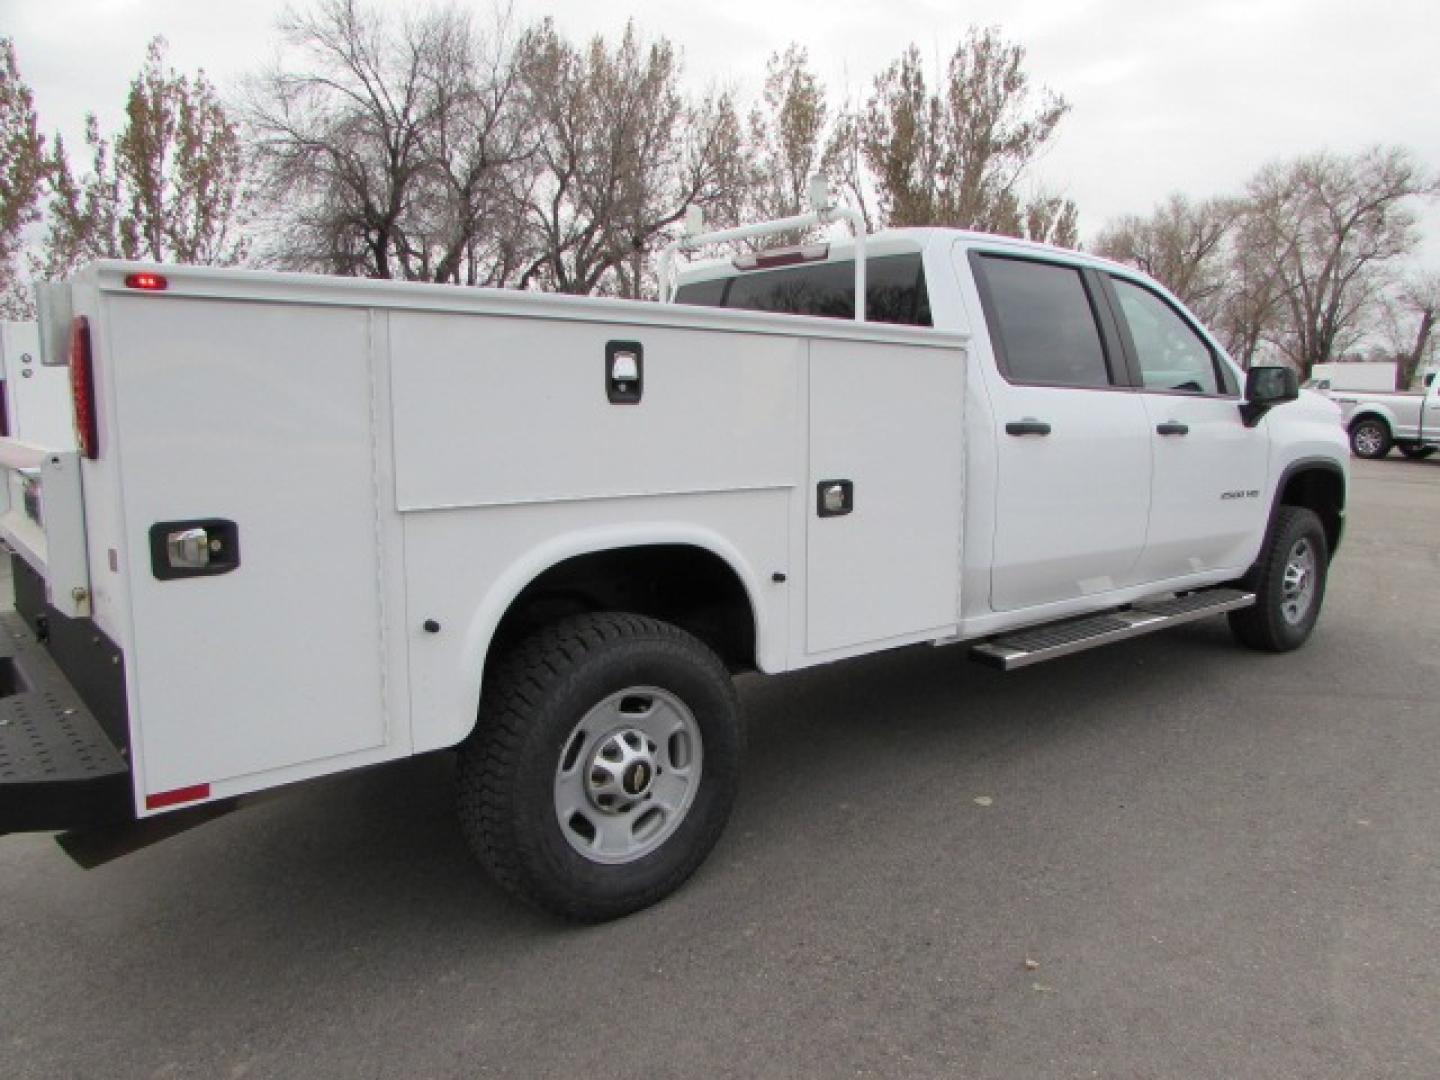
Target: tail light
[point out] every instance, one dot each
(82, 388)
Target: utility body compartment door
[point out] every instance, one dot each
(262, 415)
(886, 421)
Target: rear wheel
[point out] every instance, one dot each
(1370, 438)
(1415, 452)
(1288, 582)
(604, 765)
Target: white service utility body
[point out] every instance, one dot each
(322, 523)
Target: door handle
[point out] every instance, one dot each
(1028, 426)
(1170, 427)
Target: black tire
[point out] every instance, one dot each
(1415, 452)
(1275, 623)
(1370, 438)
(534, 707)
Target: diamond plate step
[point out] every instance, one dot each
(1037, 644)
(57, 765)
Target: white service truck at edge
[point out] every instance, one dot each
(316, 524)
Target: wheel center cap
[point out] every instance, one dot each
(621, 771)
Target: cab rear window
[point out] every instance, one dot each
(894, 290)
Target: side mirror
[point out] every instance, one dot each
(1266, 387)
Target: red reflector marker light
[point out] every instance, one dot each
(148, 282)
(790, 256)
(82, 388)
(162, 799)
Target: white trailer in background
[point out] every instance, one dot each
(1352, 375)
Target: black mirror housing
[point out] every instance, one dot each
(1266, 387)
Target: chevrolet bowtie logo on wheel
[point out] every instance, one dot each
(636, 777)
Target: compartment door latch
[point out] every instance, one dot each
(200, 548)
(624, 372)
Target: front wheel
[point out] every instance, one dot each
(603, 767)
(1370, 438)
(1289, 584)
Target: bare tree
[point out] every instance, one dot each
(622, 155)
(1182, 245)
(170, 188)
(83, 213)
(179, 169)
(338, 129)
(22, 175)
(474, 141)
(1052, 219)
(391, 146)
(1332, 227)
(786, 137)
(957, 156)
(1252, 305)
(1409, 317)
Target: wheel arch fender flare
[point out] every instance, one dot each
(1295, 473)
(512, 582)
(1372, 412)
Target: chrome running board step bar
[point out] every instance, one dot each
(1053, 640)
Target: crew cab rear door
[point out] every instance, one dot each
(1072, 439)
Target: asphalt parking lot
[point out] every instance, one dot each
(1167, 858)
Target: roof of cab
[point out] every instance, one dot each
(910, 241)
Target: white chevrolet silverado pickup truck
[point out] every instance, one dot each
(1377, 421)
(314, 524)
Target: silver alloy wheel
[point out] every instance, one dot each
(628, 774)
(1297, 589)
(1368, 440)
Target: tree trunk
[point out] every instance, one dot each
(1405, 373)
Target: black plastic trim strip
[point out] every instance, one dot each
(1312, 464)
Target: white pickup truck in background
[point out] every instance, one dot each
(1409, 420)
(315, 524)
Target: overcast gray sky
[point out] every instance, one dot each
(1191, 97)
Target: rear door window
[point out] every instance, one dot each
(1042, 322)
(894, 290)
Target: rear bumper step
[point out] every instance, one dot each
(58, 768)
(1053, 640)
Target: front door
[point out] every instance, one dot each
(1207, 504)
